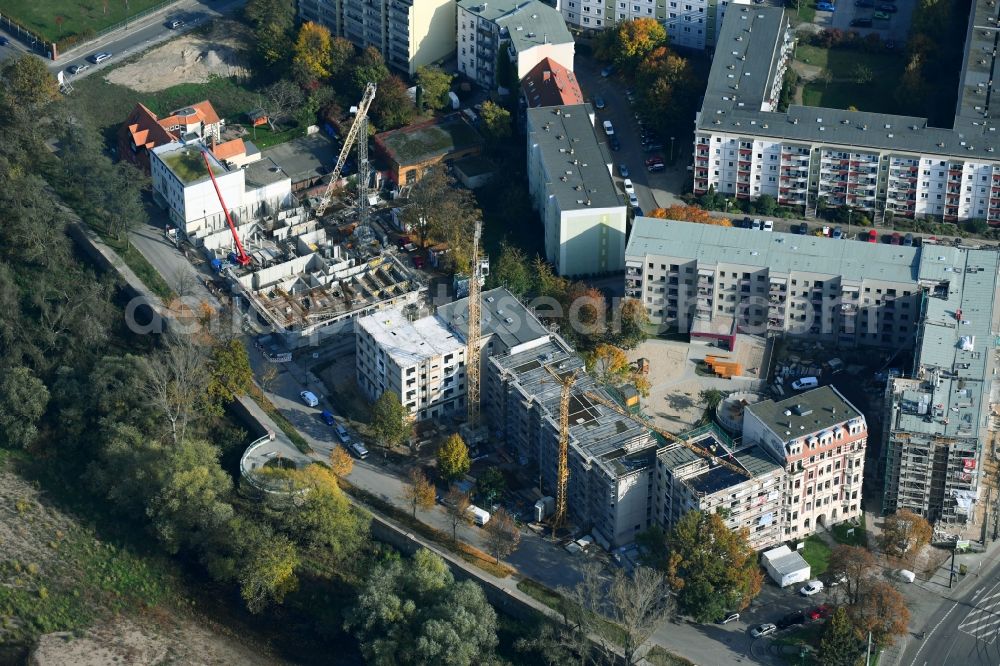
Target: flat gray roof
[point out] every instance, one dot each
(264, 171)
(811, 411)
(407, 341)
(304, 158)
(580, 176)
(528, 23)
(777, 251)
(502, 315)
(958, 307)
(748, 43)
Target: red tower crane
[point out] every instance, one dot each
(242, 258)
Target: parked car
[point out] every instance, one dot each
(756, 225)
(342, 434)
(820, 611)
(629, 187)
(4, 41)
(358, 449)
(886, 7)
(658, 166)
(763, 630)
(609, 129)
(896, 238)
(908, 240)
(327, 417)
(804, 383)
(615, 145)
(652, 146)
(864, 3)
(793, 618)
(309, 398)
(861, 23)
(638, 211)
(599, 102)
(906, 575)
(623, 171)
(768, 225)
(872, 236)
(76, 69)
(882, 16)
(837, 233)
(825, 7)
(98, 58)
(175, 24)
(633, 200)
(728, 617)
(811, 588)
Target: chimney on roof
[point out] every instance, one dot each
(546, 75)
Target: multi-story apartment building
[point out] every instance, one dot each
(688, 482)
(422, 360)
(745, 147)
(690, 24)
(716, 281)
(937, 419)
(525, 32)
(820, 438)
(569, 179)
(408, 33)
(622, 480)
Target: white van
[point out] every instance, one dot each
(479, 516)
(805, 383)
(906, 575)
(359, 450)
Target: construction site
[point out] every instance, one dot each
(306, 268)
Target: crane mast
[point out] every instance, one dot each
(562, 469)
(355, 133)
(242, 258)
(475, 331)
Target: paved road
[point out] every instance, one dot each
(138, 36)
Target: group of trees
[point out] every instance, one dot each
(904, 534)
(441, 211)
(611, 367)
(580, 311)
(872, 605)
(666, 85)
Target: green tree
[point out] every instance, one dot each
(639, 603)
(505, 68)
(453, 458)
(24, 398)
(496, 121)
(862, 74)
(634, 323)
(27, 84)
(502, 534)
(904, 534)
(855, 567)
(511, 270)
(435, 84)
(839, 645)
(272, 22)
(390, 423)
(414, 613)
(490, 485)
(230, 374)
(711, 568)
(711, 398)
(634, 40)
(882, 610)
(392, 106)
(342, 51)
(441, 211)
(369, 67)
(418, 491)
(609, 364)
(766, 204)
(267, 568)
(313, 55)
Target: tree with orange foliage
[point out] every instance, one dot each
(689, 214)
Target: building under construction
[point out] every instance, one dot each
(623, 478)
(937, 421)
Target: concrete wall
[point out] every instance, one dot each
(561, 53)
(432, 31)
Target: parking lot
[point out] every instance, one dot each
(895, 28)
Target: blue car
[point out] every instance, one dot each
(327, 417)
(825, 6)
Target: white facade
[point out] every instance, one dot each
(193, 203)
(580, 206)
(531, 32)
(421, 361)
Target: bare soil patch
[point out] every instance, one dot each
(191, 58)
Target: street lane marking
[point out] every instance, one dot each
(931, 632)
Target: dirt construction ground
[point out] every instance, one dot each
(192, 58)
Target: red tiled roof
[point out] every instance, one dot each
(145, 128)
(229, 149)
(203, 112)
(550, 84)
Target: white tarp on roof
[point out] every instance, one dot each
(785, 566)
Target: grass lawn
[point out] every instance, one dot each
(108, 104)
(844, 91)
(264, 138)
(858, 538)
(807, 11)
(189, 165)
(58, 19)
(607, 629)
(817, 553)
